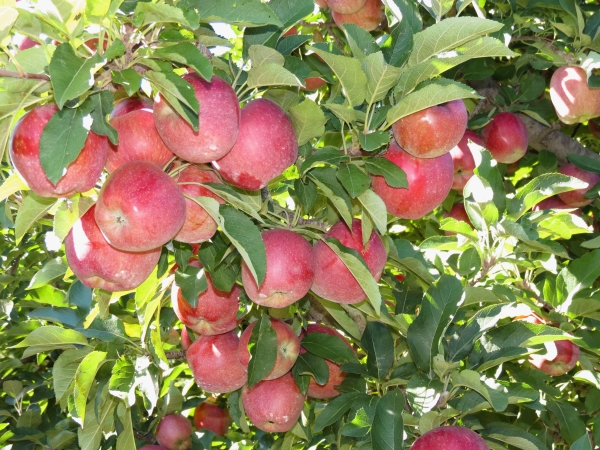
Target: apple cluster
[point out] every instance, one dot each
(367, 14)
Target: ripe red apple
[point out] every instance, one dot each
(313, 83)
(433, 131)
(199, 226)
(457, 212)
(291, 32)
(266, 146)
(290, 270)
(153, 447)
(565, 358)
(336, 376)
(214, 363)
(215, 312)
(506, 138)
(186, 340)
(81, 175)
(209, 416)
(429, 182)
(573, 100)
(321, 3)
(139, 207)
(131, 104)
(464, 164)
(274, 405)
(99, 265)
(554, 202)
(333, 281)
(174, 432)
(346, 6)
(219, 121)
(288, 347)
(576, 198)
(369, 17)
(450, 438)
(25, 43)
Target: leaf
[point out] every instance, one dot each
(396, 49)
(583, 443)
(308, 120)
(354, 180)
(360, 41)
(423, 393)
(344, 112)
(288, 44)
(326, 180)
(513, 435)
(192, 282)
(64, 370)
(394, 175)
(341, 316)
(71, 76)
(12, 184)
(47, 338)
(84, 378)
(102, 107)
(53, 269)
(437, 8)
(375, 208)
(271, 75)
(125, 439)
(578, 275)
(263, 350)
(388, 426)
(328, 347)
(583, 162)
(235, 197)
(571, 426)
(349, 73)
(377, 341)
(406, 11)
(129, 79)
(8, 16)
(238, 12)
(70, 212)
(187, 54)
(309, 364)
(325, 155)
(374, 140)
(178, 92)
(260, 54)
(497, 396)
(381, 77)
(335, 409)
(91, 434)
(146, 13)
(487, 168)
(13, 388)
(122, 380)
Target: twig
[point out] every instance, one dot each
(147, 438)
(35, 76)
(177, 355)
(548, 44)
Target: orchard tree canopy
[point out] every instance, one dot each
(287, 224)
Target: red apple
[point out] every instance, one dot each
(186, 340)
(274, 405)
(219, 122)
(433, 131)
(576, 198)
(99, 265)
(131, 104)
(313, 83)
(464, 164)
(291, 32)
(25, 43)
(174, 432)
(573, 100)
(429, 182)
(369, 17)
(505, 137)
(153, 447)
(139, 207)
(288, 347)
(458, 212)
(321, 3)
(266, 146)
(333, 281)
(554, 202)
(346, 6)
(81, 175)
(214, 363)
(209, 416)
(199, 226)
(566, 355)
(450, 438)
(290, 270)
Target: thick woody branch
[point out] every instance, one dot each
(33, 76)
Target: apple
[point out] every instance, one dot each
(429, 182)
(291, 32)
(457, 212)
(313, 83)
(321, 3)
(139, 207)
(174, 432)
(209, 416)
(130, 104)
(199, 226)
(274, 405)
(333, 281)
(346, 6)
(433, 131)
(81, 175)
(265, 147)
(554, 202)
(576, 198)
(450, 438)
(25, 42)
(336, 376)
(505, 137)
(573, 100)
(153, 447)
(565, 355)
(214, 363)
(464, 164)
(219, 121)
(368, 17)
(288, 347)
(99, 265)
(290, 270)
(186, 340)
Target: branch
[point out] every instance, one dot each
(548, 44)
(34, 76)
(178, 355)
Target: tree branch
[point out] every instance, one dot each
(34, 76)
(548, 44)
(178, 355)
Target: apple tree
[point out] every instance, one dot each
(345, 224)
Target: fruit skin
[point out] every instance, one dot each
(434, 131)
(214, 363)
(288, 348)
(567, 355)
(139, 207)
(346, 6)
(209, 416)
(153, 447)
(576, 198)
(24, 150)
(131, 104)
(457, 212)
(199, 226)
(99, 265)
(450, 438)
(429, 182)
(186, 340)
(265, 147)
(321, 3)
(506, 138)
(333, 281)
(313, 83)
(138, 141)
(554, 202)
(274, 405)
(219, 121)
(290, 270)
(369, 17)
(174, 432)
(463, 160)
(573, 100)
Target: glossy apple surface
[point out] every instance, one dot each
(368, 17)
(450, 438)
(346, 6)
(209, 416)
(506, 138)
(174, 432)
(463, 160)
(565, 355)
(576, 198)
(573, 100)
(130, 104)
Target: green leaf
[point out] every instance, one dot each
(360, 40)
(64, 370)
(102, 107)
(71, 76)
(583, 443)
(326, 155)
(469, 262)
(513, 435)
(341, 316)
(70, 212)
(394, 175)
(187, 54)
(388, 426)
(396, 49)
(335, 409)
(271, 75)
(349, 73)
(375, 208)
(178, 92)
(377, 341)
(129, 79)
(354, 180)
(84, 378)
(487, 168)
(125, 439)
(10, 185)
(90, 436)
(192, 282)
(344, 112)
(309, 364)
(47, 338)
(373, 141)
(381, 77)
(495, 394)
(260, 55)
(406, 11)
(62, 140)
(578, 275)
(13, 388)
(122, 380)
(146, 13)
(288, 44)
(8, 16)
(308, 120)
(585, 163)
(235, 197)
(238, 12)
(479, 202)
(328, 347)
(263, 350)
(326, 179)
(422, 393)
(571, 425)
(53, 269)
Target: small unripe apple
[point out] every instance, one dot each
(573, 100)
(209, 416)
(174, 432)
(463, 160)
(577, 197)
(566, 355)
(346, 6)
(450, 438)
(506, 138)
(368, 17)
